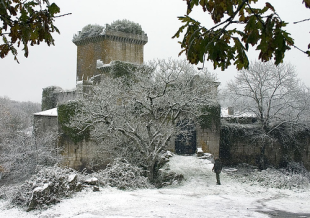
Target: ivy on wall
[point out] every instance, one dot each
(127, 71)
(229, 136)
(211, 117)
(292, 146)
(120, 69)
(49, 97)
(292, 142)
(65, 113)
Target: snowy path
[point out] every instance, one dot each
(198, 196)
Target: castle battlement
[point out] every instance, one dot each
(114, 36)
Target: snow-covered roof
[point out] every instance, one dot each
(224, 113)
(51, 113)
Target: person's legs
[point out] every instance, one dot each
(218, 182)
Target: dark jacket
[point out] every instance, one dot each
(217, 168)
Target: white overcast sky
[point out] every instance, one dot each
(56, 65)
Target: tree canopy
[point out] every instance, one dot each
(26, 22)
(237, 26)
(278, 101)
(272, 93)
(147, 111)
(125, 26)
(89, 30)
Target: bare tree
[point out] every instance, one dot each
(19, 155)
(146, 108)
(273, 94)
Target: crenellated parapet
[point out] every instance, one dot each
(114, 36)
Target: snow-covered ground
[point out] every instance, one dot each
(198, 196)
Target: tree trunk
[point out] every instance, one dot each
(151, 171)
(262, 161)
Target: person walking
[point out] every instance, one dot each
(217, 168)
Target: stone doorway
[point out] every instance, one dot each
(186, 143)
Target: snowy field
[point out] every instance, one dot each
(198, 196)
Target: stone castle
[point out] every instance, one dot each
(95, 55)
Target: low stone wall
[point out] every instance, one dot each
(44, 125)
(238, 147)
(82, 155)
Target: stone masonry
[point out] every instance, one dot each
(108, 47)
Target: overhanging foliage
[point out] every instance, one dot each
(225, 44)
(26, 22)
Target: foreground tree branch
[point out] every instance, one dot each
(26, 22)
(224, 43)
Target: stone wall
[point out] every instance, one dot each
(83, 155)
(237, 147)
(208, 140)
(78, 150)
(108, 47)
(53, 95)
(65, 96)
(45, 130)
(208, 132)
(44, 124)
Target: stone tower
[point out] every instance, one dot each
(110, 45)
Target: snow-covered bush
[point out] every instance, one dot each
(46, 187)
(297, 168)
(125, 26)
(123, 175)
(18, 158)
(288, 178)
(165, 176)
(89, 31)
